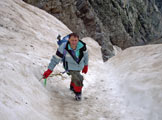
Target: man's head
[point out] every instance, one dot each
(73, 39)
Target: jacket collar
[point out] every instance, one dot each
(81, 46)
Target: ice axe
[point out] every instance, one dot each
(45, 80)
(56, 74)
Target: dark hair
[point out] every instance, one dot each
(74, 35)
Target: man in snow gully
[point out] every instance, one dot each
(75, 60)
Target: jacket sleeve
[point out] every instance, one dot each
(56, 58)
(54, 61)
(86, 57)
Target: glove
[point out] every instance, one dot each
(47, 73)
(85, 69)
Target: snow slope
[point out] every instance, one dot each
(137, 72)
(27, 37)
(127, 87)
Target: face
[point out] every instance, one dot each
(73, 41)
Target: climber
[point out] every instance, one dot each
(74, 55)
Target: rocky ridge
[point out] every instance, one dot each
(123, 23)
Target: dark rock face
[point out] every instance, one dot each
(159, 5)
(130, 22)
(123, 23)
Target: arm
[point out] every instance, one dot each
(85, 69)
(56, 58)
(54, 61)
(86, 57)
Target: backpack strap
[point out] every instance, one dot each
(65, 63)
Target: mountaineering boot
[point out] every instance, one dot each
(78, 96)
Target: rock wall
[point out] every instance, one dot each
(123, 23)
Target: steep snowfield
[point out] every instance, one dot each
(137, 73)
(127, 87)
(27, 41)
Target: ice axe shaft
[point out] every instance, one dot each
(45, 82)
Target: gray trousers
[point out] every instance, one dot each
(76, 78)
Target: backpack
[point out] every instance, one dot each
(60, 42)
(63, 40)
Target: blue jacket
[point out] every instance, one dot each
(74, 59)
